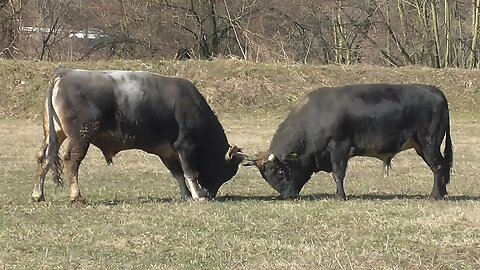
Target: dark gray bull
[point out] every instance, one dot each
(330, 125)
(120, 110)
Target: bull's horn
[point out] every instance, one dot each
(232, 151)
(271, 157)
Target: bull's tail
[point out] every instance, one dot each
(448, 151)
(53, 145)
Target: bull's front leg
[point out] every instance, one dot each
(191, 176)
(339, 155)
(198, 193)
(172, 162)
(185, 146)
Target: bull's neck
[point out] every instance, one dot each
(216, 142)
(288, 139)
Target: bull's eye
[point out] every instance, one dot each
(280, 173)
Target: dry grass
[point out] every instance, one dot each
(136, 221)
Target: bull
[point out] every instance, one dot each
(331, 125)
(122, 110)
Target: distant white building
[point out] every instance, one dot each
(91, 33)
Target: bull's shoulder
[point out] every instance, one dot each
(60, 72)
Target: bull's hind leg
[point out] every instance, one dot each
(432, 156)
(74, 154)
(38, 193)
(43, 165)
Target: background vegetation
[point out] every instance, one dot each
(433, 33)
(234, 86)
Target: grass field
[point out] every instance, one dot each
(135, 220)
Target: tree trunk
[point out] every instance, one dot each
(215, 40)
(447, 57)
(437, 63)
(344, 51)
(336, 42)
(401, 14)
(472, 60)
(7, 30)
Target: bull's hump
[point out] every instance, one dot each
(301, 104)
(128, 91)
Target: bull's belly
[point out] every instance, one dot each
(111, 143)
(384, 151)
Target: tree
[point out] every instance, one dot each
(8, 26)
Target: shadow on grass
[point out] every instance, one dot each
(464, 198)
(310, 197)
(365, 197)
(132, 201)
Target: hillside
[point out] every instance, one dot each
(232, 86)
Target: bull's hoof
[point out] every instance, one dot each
(78, 202)
(288, 198)
(340, 197)
(185, 198)
(438, 197)
(202, 199)
(38, 199)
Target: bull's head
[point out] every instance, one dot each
(286, 174)
(220, 171)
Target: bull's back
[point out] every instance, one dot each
(375, 117)
(389, 109)
(375, 102)
(142, 106)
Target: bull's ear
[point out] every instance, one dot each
(290, 157)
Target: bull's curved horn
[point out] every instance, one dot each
(271, 157)
(234, 151)
(228, 155)
(231, 152)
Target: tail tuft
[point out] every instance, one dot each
(448, 151)
(387, 165)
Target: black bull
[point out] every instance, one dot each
(121, 110)
(330, 125)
